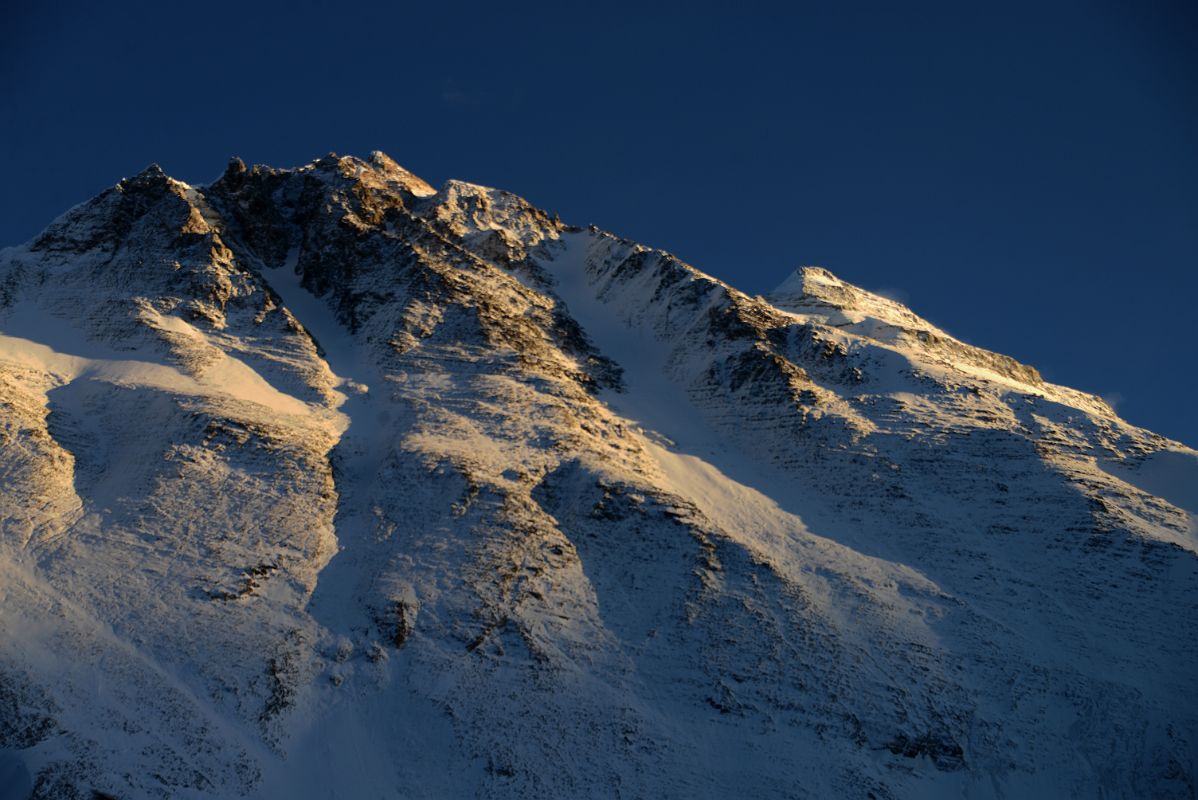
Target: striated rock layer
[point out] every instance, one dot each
(326, 483)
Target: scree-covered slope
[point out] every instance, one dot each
(326, 483)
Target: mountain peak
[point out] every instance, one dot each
(151, 175)
(152, 170)
(343, 487)
(377, 169)
(411, 182)
(814, 293)
(811, 287)
(805, 281)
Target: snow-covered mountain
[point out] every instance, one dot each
(326, 483)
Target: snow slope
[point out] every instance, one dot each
(326, 483)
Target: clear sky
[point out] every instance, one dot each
(1023, 174)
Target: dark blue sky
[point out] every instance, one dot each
(1023, 174)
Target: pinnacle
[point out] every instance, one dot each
(152, 177)
(152, 172)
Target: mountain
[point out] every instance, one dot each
(326, 483)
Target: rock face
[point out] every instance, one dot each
(325, 483)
